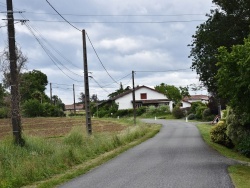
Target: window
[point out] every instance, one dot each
(143, 95)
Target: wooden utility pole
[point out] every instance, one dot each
(50, 93)
(15, 108)
(86, 84)
(74, 98)
(134, 109)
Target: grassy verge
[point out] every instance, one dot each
(54, 161)
(239, 174)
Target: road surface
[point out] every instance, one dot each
(176, 157)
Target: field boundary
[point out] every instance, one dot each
(91, 164)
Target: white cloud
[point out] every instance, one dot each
(122, 47)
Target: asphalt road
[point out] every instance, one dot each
(176, 157)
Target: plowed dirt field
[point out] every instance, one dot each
(55, 127)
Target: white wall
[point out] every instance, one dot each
(185, 104)
(125, 101)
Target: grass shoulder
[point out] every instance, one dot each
(239, 173)
(49, 162)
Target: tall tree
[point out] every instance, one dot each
(5, 68)
(3, 94)
(82, 97)
(234, 77)
(31, 82)
(227, 25)
(94, 98)
(118, 91)
(172, 92)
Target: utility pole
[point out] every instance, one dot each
(134, 110)
(50, 93)
(15, 108)
(86, 84)
(74, 99)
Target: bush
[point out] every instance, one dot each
(199, 111)
(141, 110)
(123, 113)
(33, 108)
(191, 116)
(194, 106)
(178, 113)
(219, 136)
(244, 146)
(4, 112)
(151, 110)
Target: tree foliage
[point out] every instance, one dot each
(234, 77)
(32, 82)
(118, 91)
(172, 92)
(227, 25)
(5, 68)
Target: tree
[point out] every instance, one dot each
(234, 77)
(119, 91)
(5, 68)
(172, 92)
(3, 94)
(94, 98)
(32, 82)
(82, 97)
(227, 25)
(184, 91)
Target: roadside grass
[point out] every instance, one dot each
(239, 173)
(49, 162)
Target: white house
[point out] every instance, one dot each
(144, 96)
(187, 101)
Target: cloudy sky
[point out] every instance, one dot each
(149, 37)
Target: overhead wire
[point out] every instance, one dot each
(100, 59)
(48, 53)
(87, 37)
(176, 70)
(57, 51)
(62, 16)
(30, 28)
(120, 22)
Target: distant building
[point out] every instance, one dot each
(144, 96)
(187, 101)
(70, 107)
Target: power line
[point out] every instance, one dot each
(176, 70)
(120, 22)
(49, 54)
(118, 15)
(100, 60)
(99, 84)
(62, 16)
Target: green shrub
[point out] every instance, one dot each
(4, 112)
(178, 113)
(33, 108)
(194, 106)
(244, 146)
(191, 116)
(163, 109)
(151, 110)
(141, 110)
(218, 135)
(199, 111)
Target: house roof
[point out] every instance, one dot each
(131, 90)
(71, 106)
(196, 97)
